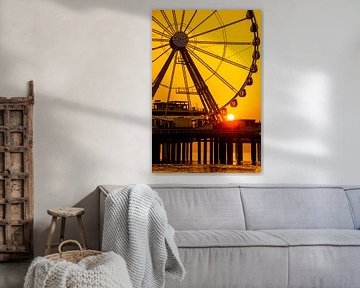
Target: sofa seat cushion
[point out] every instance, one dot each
(322, 258)
(317, 237)
(225, 238)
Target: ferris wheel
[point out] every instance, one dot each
(204, 58)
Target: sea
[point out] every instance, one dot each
(205, 168)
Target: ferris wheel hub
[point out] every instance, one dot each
(179, 40)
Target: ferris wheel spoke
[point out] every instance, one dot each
(160, 33)
(171, 83)
(161, 54)
(218, 28)
(186, 86)
(158, 47)
(220, 58)
(175, 21)
(167, 21)
(162, 73)
(202, 22)
(238, 52)
(205, 96)
(182, 20)
(192, 17)
(160, 40)
(161, 25)
(220, 42)
(198, 81)
(207, 66)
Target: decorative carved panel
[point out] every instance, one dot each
(16, 177)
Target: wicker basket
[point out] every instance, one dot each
(72, 256)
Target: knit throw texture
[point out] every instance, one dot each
(136, 227)
(107, 270)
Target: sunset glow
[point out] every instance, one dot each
(204, 48)
(230, 117)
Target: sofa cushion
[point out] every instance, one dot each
(226, 238)
(190, 207)
(327, 258)
(296, 208)
(317, 237)
(200, 207)
(354, 198)
(223, 267)
(324, 266)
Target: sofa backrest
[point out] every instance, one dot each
(201, 207)
(257, 207)
(354, 198)
(296, 208)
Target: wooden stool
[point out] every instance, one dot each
(64, 213)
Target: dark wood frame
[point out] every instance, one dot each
(16, 177)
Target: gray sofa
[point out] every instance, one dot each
(264, 236)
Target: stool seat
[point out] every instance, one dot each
(65, 211)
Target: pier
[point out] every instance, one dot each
(215, 145)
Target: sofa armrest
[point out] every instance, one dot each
(103, 195)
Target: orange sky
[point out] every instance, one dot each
(169, 21)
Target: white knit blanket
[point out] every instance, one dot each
(136, 227)
(102, 271)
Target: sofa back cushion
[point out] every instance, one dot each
(202, 207)
(354, 198)
(296, 208)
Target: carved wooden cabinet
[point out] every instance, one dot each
(16, 177)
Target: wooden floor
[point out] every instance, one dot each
(12, 274)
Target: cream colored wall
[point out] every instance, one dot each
(90, 61)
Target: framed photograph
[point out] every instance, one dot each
(206, 91)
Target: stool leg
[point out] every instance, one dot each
(82, 232)
(62, 231)
(51, 235)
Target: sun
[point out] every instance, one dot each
(230, 117)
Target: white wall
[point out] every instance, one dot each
(90, 61)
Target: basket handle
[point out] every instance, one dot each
(69, 241)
